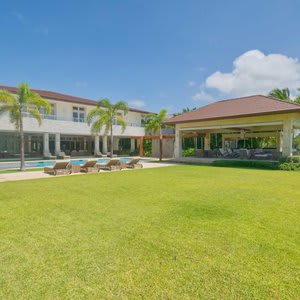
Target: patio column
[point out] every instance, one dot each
(279, 142)
(104, 144)
(132, 145)
(178, 143)
(57, 143)
(116, 143)
(46, 144)
(207, 141)
(84, 143)
(96, 146)
(223, 141)
(29, 144)
(287, 138)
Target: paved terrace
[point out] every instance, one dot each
(40, 174)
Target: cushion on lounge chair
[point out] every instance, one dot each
(59, 167)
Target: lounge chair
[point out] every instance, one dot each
(58, 168)
(48, 155)
(99, 154)
(113, 164)
(62, 155)
(114, 155)
(245, 154)
(89, 166)
(223, 153)
(132, 164)
(232, 153)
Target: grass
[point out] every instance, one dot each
(184, 232)
(17, 170)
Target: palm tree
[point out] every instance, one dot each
(297, 100)
(104, 115)
(155, 124)
(281, 94)
(15, 105)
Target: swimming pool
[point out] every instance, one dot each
(42, 164)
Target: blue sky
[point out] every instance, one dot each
(152, 54)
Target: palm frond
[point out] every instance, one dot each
(99, 123)
(6, 97)
(104, 102)
(36, 100)
(121, 121)
(95, 112)
(35, 114)
(155, 121)
(23, 91)
(121, 105)
(281, 94)
(5, 108)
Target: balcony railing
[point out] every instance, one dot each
(76, 120)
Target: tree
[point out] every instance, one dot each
(104, 115)
(15, 105)
(297, 100)
(185, 110)
(155, 124)
(281, 94)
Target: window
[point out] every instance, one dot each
(78, 114)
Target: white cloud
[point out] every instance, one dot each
(203, 97)
(256, 73)
(137, 103)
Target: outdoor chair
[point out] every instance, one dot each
(58, 168)
(223, 153)
(62, 155)
(245, 154)
(199, 153)
(232, 153)
(99, 154)
(89, 166)
(132, 164)
(48, 155)
(113, 164)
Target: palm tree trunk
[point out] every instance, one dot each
(111, 141)
(22, 156)
(160, 146)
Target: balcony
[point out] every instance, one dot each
(76, 120)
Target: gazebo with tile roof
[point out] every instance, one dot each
(252, 116)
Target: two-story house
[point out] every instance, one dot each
(66, 129)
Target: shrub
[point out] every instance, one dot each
(188, 152)
(290, 163)
(268, 165)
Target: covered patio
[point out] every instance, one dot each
(238, 123)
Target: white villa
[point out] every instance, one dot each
(66, 129)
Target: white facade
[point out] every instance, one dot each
(63, 121)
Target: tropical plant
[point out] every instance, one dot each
(155, 124)
(185, 110)
(297, 99)
(15, 105)
(282, 94)
(104, 115)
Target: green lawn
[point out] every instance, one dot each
(170, 233)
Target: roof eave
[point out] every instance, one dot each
(232, 117)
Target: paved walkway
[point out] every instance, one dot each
(41, 174)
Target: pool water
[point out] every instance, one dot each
(42, 164)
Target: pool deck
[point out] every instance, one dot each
(40, 174)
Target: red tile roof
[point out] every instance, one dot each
(239, 107)
(63, 97)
